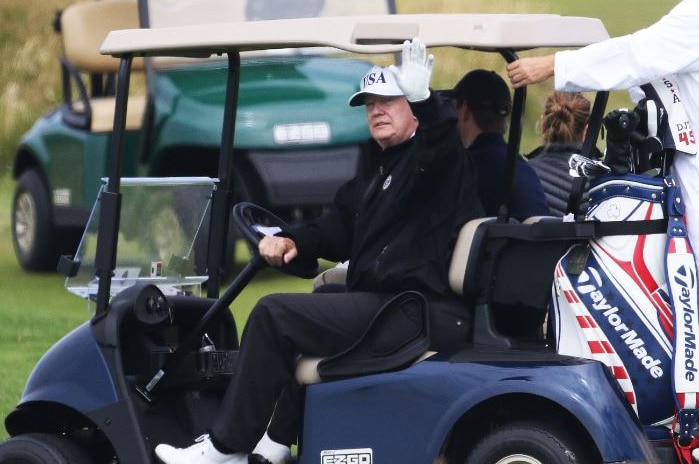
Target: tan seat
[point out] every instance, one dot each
(102, 110)
(84, 26)
(535, 219)
(334, 275)
(484, 278)
(463, 254)
(508, 274)
(307, 368)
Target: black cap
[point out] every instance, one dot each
(483, 89)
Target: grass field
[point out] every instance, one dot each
(36, 311)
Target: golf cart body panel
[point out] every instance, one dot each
(453, 399)
(440, 391)
(75, 180)
(313, 92)
(83, 385)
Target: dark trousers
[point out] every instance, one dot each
(283, 326)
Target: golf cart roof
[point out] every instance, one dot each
(362, 34)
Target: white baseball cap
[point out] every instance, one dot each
(377, 81)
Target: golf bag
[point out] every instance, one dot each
(610, 296)
(628, 297)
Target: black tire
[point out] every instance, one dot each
(32, 224)
(528, 443)
(42, 448)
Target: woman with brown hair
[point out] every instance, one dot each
(563, 127)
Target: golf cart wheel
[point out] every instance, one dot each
(32, 235)
(528, 443)
(42, 448)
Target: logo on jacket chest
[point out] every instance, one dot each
(387, 182)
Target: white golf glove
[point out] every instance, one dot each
(415, 71)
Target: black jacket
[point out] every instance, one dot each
(489, 152)
(396, 221)
(550, 162)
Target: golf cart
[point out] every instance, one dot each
(152, 363)
(292, 111)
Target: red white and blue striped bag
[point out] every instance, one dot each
(630, 301)
(611, 301)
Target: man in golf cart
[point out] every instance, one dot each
(396, 221)
(483, 105)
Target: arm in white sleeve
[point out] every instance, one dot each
(670, 46)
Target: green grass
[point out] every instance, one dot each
(36, 310)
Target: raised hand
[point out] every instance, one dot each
(415, 70)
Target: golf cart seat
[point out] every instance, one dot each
(397, 336)
(492, 268)
(84, 26)
(336, 275)
(310, 370)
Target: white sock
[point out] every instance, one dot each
(274, 452)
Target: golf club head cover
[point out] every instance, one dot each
(620, 124)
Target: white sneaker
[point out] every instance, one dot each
(201, 452)
(273, 452)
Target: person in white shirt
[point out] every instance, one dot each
(668, 48)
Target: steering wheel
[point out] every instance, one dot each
(255, 222)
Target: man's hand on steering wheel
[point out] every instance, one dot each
(255, 222)
(277, 250)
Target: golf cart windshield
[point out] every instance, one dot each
(161, 233)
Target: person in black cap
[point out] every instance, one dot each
(396, 221)
(483, 105)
